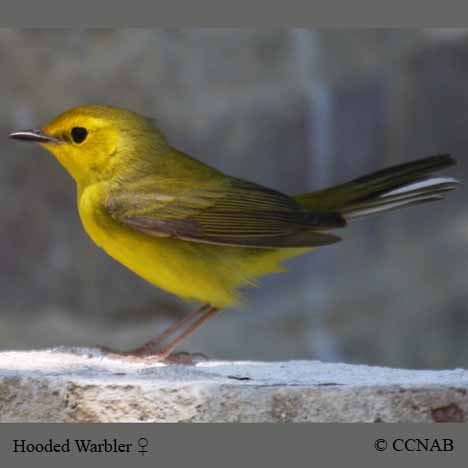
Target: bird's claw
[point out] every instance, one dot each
(144, 355)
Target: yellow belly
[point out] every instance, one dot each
(202, 272)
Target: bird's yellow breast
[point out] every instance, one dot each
(166, 263)
(203, 272)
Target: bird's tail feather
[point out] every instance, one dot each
(389, 189)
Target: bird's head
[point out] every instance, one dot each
(93, 142)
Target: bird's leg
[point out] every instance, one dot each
(149, 349)
(164, 354)
(151, 346)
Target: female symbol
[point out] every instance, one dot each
(142, 443)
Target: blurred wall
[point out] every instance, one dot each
(292, 109)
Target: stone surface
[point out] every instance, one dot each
(81, 385)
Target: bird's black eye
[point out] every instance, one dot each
(79, 134)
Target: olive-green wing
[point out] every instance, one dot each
(224, 211)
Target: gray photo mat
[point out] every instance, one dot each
(254, 14)
(240, 444)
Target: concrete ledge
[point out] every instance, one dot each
(80, 385)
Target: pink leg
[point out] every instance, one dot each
(151, 346)
(149, 350)
(165, 352)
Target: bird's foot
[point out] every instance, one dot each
(136, 354)
(182, 357)
(145, 354)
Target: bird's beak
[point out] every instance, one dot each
(34, 135)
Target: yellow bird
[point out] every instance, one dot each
(194, 231)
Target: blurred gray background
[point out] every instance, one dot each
(296, 110)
